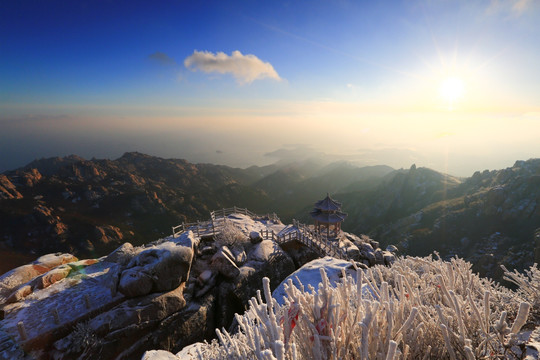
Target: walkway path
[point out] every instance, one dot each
(299, 232)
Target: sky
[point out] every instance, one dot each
(447, 84)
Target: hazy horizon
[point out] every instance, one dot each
(395, 158)
(449, 85)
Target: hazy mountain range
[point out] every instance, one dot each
(89, 207)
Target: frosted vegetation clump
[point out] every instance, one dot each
(231, 236)
(420, 308)
(528, 286)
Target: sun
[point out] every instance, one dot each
(451, 90)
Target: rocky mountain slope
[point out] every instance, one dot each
(89, 207)
(166, 294)
(491, 218)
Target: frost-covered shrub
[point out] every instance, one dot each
(529, 285)
(230, 235)
(419, 308)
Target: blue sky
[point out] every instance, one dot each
(227, 82)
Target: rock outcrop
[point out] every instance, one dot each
(172, 292)
(7, 189)
(92, 307)
(18, 277)
(166, 294)
(160, 268)
(265, 259)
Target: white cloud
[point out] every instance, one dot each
(245, 68)
(521, 6)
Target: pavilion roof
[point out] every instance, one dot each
(328, 204)
(328, 218)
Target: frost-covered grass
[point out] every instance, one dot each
(419, 308)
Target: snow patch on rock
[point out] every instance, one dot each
(310, 274)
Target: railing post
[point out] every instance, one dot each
(56, 317)
(87, 301)
(22, 330)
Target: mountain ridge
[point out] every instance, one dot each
(87, 206)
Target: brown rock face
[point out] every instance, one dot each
(108, 233)
(41, 282)
(53, 276)
(15, 278)
(31, 177)
(89, 207)
(7, 189)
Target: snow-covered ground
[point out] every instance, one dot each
(310, 274)
(247, 224)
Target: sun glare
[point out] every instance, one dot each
(451, 90)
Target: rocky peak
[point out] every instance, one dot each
(31, 177)
(531, 166)
(137, 158)
(49, 166)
